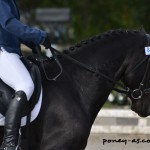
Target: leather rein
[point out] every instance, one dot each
(135, 94)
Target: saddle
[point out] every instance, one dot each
(35, 65)
(7, 92)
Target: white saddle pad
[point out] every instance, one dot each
(34, 113)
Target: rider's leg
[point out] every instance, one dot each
(14, 73)
(12, 121)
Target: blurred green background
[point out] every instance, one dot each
(90, 17)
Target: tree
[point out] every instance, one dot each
(90, 17)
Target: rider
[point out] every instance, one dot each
(12, 70)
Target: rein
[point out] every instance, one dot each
(135, 94)
(91, 69)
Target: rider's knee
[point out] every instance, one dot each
(28, 89)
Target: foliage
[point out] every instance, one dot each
(90, 17)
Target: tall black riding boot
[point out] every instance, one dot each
(13, 120)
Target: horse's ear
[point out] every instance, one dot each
(142, 30)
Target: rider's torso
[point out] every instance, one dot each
(10, 42)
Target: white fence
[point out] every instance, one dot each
(120, 121)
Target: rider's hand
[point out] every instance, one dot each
(47, 42)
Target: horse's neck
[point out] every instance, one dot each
(93, 89)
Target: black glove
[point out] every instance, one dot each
(47, 42)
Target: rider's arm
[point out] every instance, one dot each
(14, 26)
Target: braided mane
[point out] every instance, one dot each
(105, 35)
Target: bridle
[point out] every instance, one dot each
(135, 94)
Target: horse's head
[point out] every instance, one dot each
(137, 78)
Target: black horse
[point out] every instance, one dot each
(72, 102)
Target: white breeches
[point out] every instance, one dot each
(14, 73)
